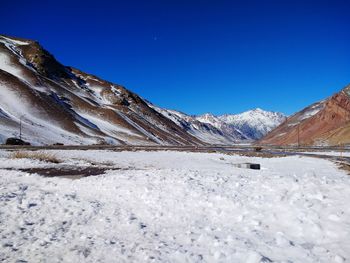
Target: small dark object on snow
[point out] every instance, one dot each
(16, 141)
(254, 166)
(58, 144)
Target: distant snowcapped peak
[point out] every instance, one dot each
(207, 115)
(252, 124)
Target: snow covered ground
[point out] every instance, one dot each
(330, 153)
(175, 207)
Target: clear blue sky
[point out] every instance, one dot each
(198, 56)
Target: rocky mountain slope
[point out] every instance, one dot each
(59, 104)
(323, 123)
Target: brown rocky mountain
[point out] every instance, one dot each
(324, 123)
(59, 104)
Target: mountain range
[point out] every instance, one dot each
(226, 129)
(54, 103)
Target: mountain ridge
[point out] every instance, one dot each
(326, 122)
(243, 130)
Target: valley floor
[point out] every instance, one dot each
(171, 206)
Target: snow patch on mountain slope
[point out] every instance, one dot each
(8, 66)
(313, 110)
(306, 113)
(12, 41)
(105, 126)
(139, 128)
(4, 114)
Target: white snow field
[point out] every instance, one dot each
(175, 207)
(330, 153)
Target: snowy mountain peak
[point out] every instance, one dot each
(254, 113)
(207, 116)
(254, 123)
(209, 119)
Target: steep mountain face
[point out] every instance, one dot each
(324, 123)
(226, 129)
(59, 104)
